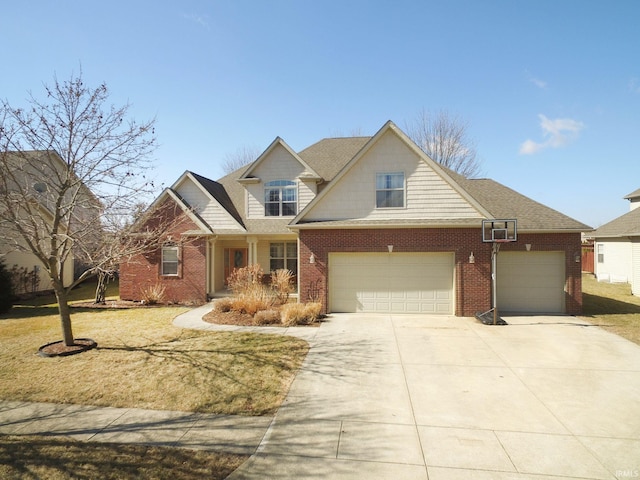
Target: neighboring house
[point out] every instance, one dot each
(617, 247)
(367, 224)
(30, 176)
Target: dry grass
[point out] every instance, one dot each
(57, 459)
(300, 313)
(143, 361)
(612, 306)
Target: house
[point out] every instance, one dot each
(29, 184)
(367, 224)
(617, 247)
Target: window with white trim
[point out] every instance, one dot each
(390, 190)
(600, 253)
(170, 260)
(284, 255)
(280, 198)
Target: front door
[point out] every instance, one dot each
(234, 258)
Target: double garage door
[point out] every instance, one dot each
(391, 282)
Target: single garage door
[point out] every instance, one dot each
(391, 282)
(531, 282)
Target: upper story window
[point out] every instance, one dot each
(280, 198)
(390, 190)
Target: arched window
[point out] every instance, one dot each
(280, 198)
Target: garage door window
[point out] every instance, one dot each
(390, 190)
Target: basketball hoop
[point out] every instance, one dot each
(500, 230)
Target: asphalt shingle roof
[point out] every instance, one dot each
(328, 156)
(632, 195)
(627, 225)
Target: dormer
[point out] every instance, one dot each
(279, 184)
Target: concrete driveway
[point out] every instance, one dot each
(425, 397)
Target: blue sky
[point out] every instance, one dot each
(550, 89)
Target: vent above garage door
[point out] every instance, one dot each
(391, 282)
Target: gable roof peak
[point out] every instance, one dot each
(248, 177)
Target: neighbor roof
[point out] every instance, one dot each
(632, 195)
(628, 225)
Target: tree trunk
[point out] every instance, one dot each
(65, 315)
(101, 289)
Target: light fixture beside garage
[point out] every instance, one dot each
(312, 259)
(472, 259)
(528, 247)
(390, 247)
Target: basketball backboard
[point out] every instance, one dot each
(499, 230)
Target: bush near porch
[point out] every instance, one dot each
(262, 304)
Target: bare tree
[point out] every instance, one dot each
(444, 138)
(72, 171)
(242, 157)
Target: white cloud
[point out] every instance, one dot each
(202, 20)
(557, 133)
(536, 81)
(634, 85)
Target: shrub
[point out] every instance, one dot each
(153, 294)
(254, 301)
(266, 317)
(300, 313)
(242, 280)
(251, 295)
(223, 305)
(6, 295)
(282, 284)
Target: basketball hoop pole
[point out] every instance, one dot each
(494, 280)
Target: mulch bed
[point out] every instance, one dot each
(243, 320)
(59, 349)
(113, 304)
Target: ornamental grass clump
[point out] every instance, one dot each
(300, 313)
(153, 294)
(282, 284)
(251, 295)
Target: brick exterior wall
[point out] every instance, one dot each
(144, 270)
(472, 281)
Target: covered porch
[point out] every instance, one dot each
(226, 253)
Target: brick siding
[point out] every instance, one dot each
(143, 271)
(472, 281)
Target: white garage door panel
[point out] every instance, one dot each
(393, 283)
(531, 282)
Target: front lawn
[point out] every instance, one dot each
(143, 361)
(611, 306)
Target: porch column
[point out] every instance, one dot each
(211, 265)
(253, 250)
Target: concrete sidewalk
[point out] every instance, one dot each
(225, 433)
